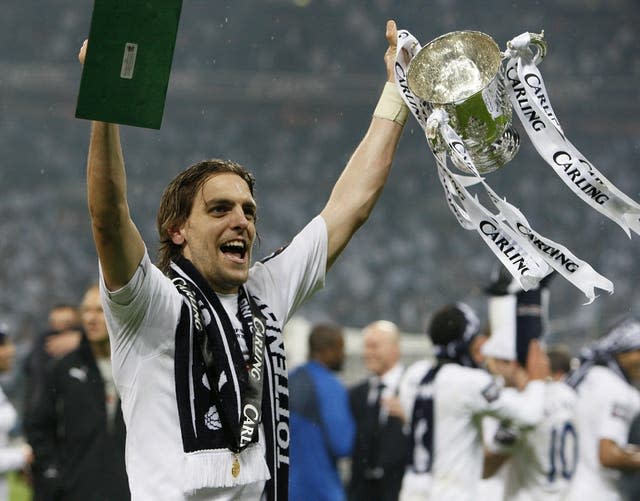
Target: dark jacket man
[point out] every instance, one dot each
(75, 425)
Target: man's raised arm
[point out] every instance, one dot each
(360, 184)
(118, 242)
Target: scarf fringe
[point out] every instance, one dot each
(213, 467)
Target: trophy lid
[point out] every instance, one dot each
(454, 66)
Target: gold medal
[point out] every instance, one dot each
(235, 467)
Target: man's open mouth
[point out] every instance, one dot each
(235, 248)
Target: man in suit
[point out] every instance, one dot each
(380, 449)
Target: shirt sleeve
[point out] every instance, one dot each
(292, 274)
(11, 458)
(41, 427)
(523, 408)
(336, 417)
(141, 318)
(616, 411)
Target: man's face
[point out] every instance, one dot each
(219, 233)
(475, 349)
(92, 315)
(630, 363)
(381, 352)
(335, 356)
(63, 318)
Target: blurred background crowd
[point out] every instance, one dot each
(284, 87)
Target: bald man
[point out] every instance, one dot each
(380, 446)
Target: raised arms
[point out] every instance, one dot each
(360, 184)
(118, 243)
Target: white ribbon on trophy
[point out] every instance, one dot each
(527, 255)
(530, 100)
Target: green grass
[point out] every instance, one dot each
(19, 490)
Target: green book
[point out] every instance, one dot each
(128, 61)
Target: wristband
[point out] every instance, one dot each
(391, 106)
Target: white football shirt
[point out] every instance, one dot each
(142, 318)
(462, 397)
(606, 406)
(544, 458)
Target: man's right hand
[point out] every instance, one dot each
(83, 51)
(27, 451)
(538, 366)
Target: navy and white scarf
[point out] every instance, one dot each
(216, 392)
(421, 441)
(625, 336)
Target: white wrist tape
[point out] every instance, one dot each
(391, 106)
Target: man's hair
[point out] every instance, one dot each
(324, 336)
(449, 323)
(177, 201)
(63, 306)
(559, 358)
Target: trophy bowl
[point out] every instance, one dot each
(462, 73)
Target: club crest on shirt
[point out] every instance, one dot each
(491, 392)
(212, 419)
(621, 411)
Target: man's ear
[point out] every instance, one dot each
(177, 235)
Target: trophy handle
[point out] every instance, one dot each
(537, 39)
(413, 49)
(525, 40)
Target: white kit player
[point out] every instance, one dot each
(607, 404)
(416, 482)
(543, 457)
(451, 400)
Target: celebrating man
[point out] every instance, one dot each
(197, 341)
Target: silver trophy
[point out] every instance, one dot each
(462, 73)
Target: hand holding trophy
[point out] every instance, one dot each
(462, 94)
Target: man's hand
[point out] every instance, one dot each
(58, 345)
(7, 355)
(538, 366)
(390, 55)
(27, 451)
(393, 407)
(612, 455)
(83, 52)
